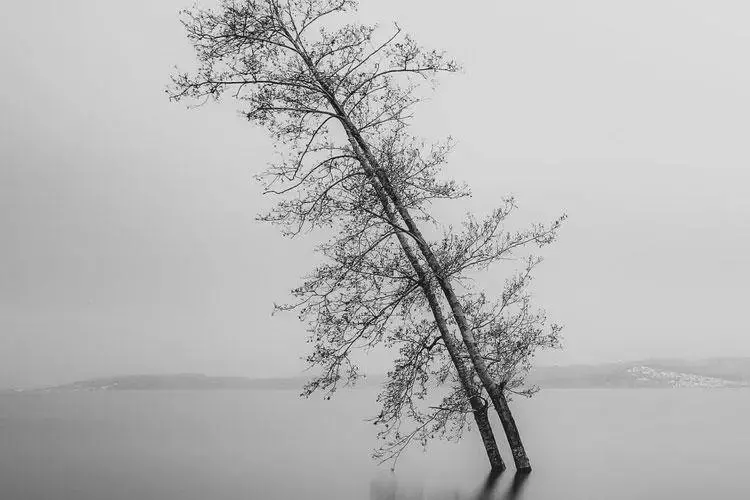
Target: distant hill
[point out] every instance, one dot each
(668, 373)
(675, 373)
(187, 381)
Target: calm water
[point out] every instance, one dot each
(588, 444)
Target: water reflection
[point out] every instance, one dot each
(489, 486)
(516, 486)
(387, 488)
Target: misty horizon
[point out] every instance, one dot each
(128, 222)
(365, 378)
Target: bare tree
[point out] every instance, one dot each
(339, 101)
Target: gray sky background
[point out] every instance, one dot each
(128, 243)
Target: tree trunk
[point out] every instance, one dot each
(387, 195)
(517, 449)
(493, 389)
(488, 438)
(479, 408)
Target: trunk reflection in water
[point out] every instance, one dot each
(387, 488)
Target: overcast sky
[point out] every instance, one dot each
(127, 234)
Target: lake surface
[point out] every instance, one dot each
(272, 445)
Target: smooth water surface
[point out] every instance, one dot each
(272, 445)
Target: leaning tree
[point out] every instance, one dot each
(338, 101)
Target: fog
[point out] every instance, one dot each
(128, 240)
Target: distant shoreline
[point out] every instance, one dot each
(710, 373)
